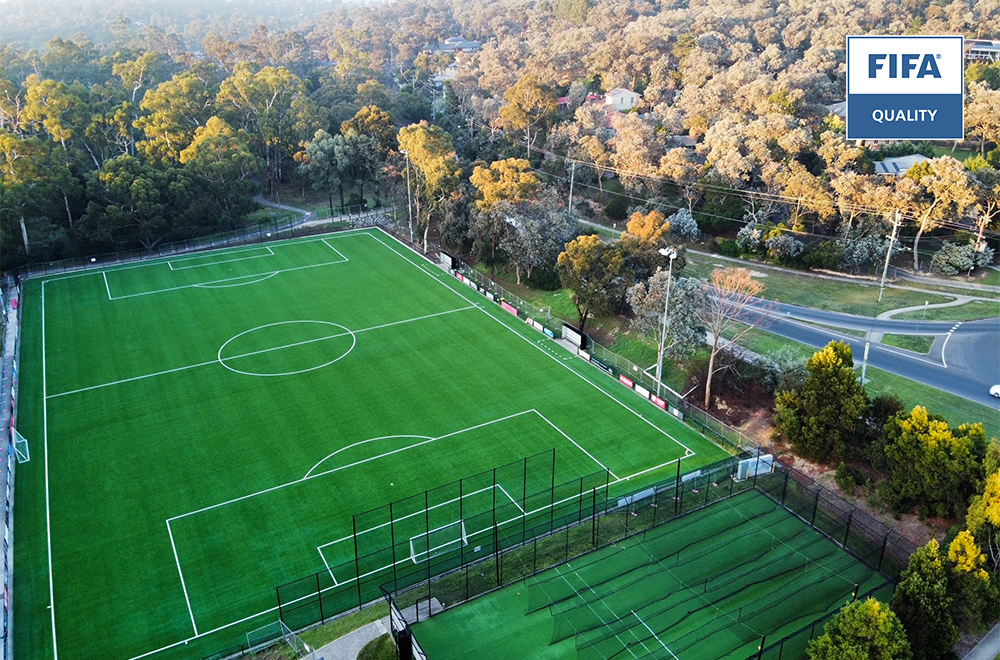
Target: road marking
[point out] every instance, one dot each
(945, 344)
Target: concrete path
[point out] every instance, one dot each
(988, 647)
(348, 646)
(263, 201)
(959, 300)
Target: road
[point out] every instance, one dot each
(964, 359)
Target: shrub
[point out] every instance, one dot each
(954, 258)
(849, 477)
(726, 247)
(684, 226)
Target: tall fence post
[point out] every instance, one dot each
(784, 488)
(357, 561)
(319, 596)
(677, 490)
(847, 532)
(881, 555)
(812, 520)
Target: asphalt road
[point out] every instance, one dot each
(964, 360)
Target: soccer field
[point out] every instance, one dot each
(204, 427)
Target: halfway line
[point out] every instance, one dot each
(266, 350)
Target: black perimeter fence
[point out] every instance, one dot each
(609, 520)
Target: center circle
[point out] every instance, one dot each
(286, 348)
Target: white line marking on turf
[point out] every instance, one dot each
(106, 285)
(170, 262)
(654, 635)
(579, 447)
(344, 467)
(181, 573)
(328, 569)
(362, 442)
(264, 277)
(48, 515)
(567, 365)
(266, 350)
(504, 491)
(347, 331)
(335, 250)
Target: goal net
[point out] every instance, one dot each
(438, 541)
(20, 446)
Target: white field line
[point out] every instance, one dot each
(591, 607)
(603, 466)
(106, 285)
(260, 279)
(225, 279)
(398, 562)
(170, 263)
(504, 491)
(536, 346)
(335, 250)
(655, 636)
(344, 467)
(328, 569)
(266, 350)
(48, 515)
(170, 533)
(365, 232)
(160, 260)
(406, 517)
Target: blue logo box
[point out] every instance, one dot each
(905, 88)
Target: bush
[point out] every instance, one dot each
(684, 226)
(954, 258)
(784, 248)
(827, 255)
(848, 478)
(546, 279)
(750, 239)
(726, 247)
(617, 208)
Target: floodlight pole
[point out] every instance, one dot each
(409, 204)
(670, 254)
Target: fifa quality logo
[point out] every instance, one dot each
(901, 65)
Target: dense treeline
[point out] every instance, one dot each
(86, 127)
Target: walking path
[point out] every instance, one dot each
(988, 647)
(348, 646)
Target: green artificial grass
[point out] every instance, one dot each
(915, 343)
(204, 428)
(706, 585)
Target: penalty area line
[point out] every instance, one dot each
(181, 573)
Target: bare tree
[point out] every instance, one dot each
(730, 290)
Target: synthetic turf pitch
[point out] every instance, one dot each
(203, 427)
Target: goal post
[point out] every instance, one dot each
(20, 446)
(438, 541)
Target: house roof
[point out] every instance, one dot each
(899, 165)
(619, 90)
(839, 108)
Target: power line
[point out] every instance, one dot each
(748, 194)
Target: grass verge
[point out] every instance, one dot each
(915, 343)
(970, 311)
(955, 409)
(860, 298)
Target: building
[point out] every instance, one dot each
(454, 45)
(616, 100)
(898, 166)
(982, 50)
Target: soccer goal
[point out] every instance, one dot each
(438, 541)
(20, 446)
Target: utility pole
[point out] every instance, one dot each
(572, 175)
(885, 270)
(409, 205)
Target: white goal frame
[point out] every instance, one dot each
(436, 551)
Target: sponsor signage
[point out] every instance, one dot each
(642, 390)
(905, 88)
(509, 308)
(660, 403)
(603, 367)
(625, 380)
(549, 332)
